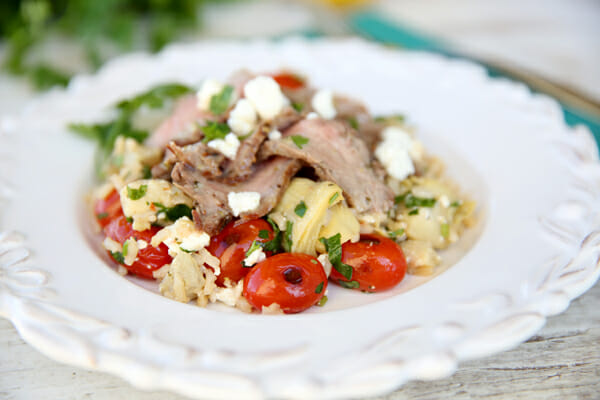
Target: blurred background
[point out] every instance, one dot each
(44, 42)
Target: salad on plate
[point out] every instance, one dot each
(259, 191)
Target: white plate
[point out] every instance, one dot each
(535, 248)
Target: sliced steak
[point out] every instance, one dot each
(182, 124)
(206, 160)
(335, 154)
(270, 178)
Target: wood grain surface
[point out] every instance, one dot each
(562, 361)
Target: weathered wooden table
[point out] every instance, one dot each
(562, 361)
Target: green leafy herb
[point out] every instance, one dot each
(456, 203)
(126, 248)
(353, 122)
(102, 215)
(409, 200)
(300, 209)
(273, 245)
(393, 117)
(349, 285)
(322, 302)
(334, 249)
(154, 98)
(299, 140)
(185, 250)
(445, 230)
(253, 247)
(263, 234)
(298, 107)
(129, 219)
(175, 212)
(219, 103)
(334, 197)
(319, 288)
(136, 194)
(414, 211)
(146, 172)
(286, 241)
(396, 233)
(214, 130)
(118, 256)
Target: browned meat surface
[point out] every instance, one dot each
(269, 178)
(206, 160)
(181, 125)
(368, 130)
(335, 154)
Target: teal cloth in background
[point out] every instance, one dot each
(377, 27)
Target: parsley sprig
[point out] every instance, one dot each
(333, 247)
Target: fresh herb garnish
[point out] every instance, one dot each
(333, 247)
(414, 211)
(456, 203)
(125, 248)
(334, 197)
(136, 194)
(299, 140)
(353, 122)
(146, 172)
(253, 247)
(300, 209)
(445, 230)
(154, 98)
(349, 285)
(396, 233)
(175, 212)
(286, 241)
(409, 200)
(322, 302)
(219, 103)
(319, 288)
(273, 245)
(214, 130)
(129, 219)
(393, 117)
(298, 106)
(118, 256)
(263, 234)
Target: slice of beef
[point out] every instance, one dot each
(270, 178)
(206, 160)
(182, 125)
(241, 167)
(335, 154)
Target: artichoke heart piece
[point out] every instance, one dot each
(322, 202)
(343, 221)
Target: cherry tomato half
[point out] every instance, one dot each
(108, 208)
(148, 259)
(294, 281)
(378, 264)
(289, 81)
(232, 243)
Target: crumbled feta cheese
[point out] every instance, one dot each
(111, 245)
(274, 135)
(181, 237)
(394, 152)
(312, 115)
(228, 146)
(142, 210)
(324, 260)
(142, 244)
(210, 87)
(322, 103)
(241, 202)
(266, 97)
(255, 257)
(444, 201)
(242, 118)
(130, 251)
(273, 309)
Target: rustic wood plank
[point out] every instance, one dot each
(561, 362)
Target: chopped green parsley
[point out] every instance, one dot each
(300, 209)
(333, 247)
(299, 140)
(333, 198)
(219, 103)
(136, 194)
(319, 288)
(214, 130)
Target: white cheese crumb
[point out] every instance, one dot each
(324, 260)
(142, 244)
(394, 152)
(444, 201)
(181, 237)
(228, 146)
(266, 97)
(242, 118)
(322, 103)
(255, 257)
(274, 135)
(241, 202)
(111, 245)
(312, 115)
(210, 87)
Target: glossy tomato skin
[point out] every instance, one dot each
(294, 281)
(231, 245)
(148, 259)
(108, 208)
(378, 263)
(288, 81)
